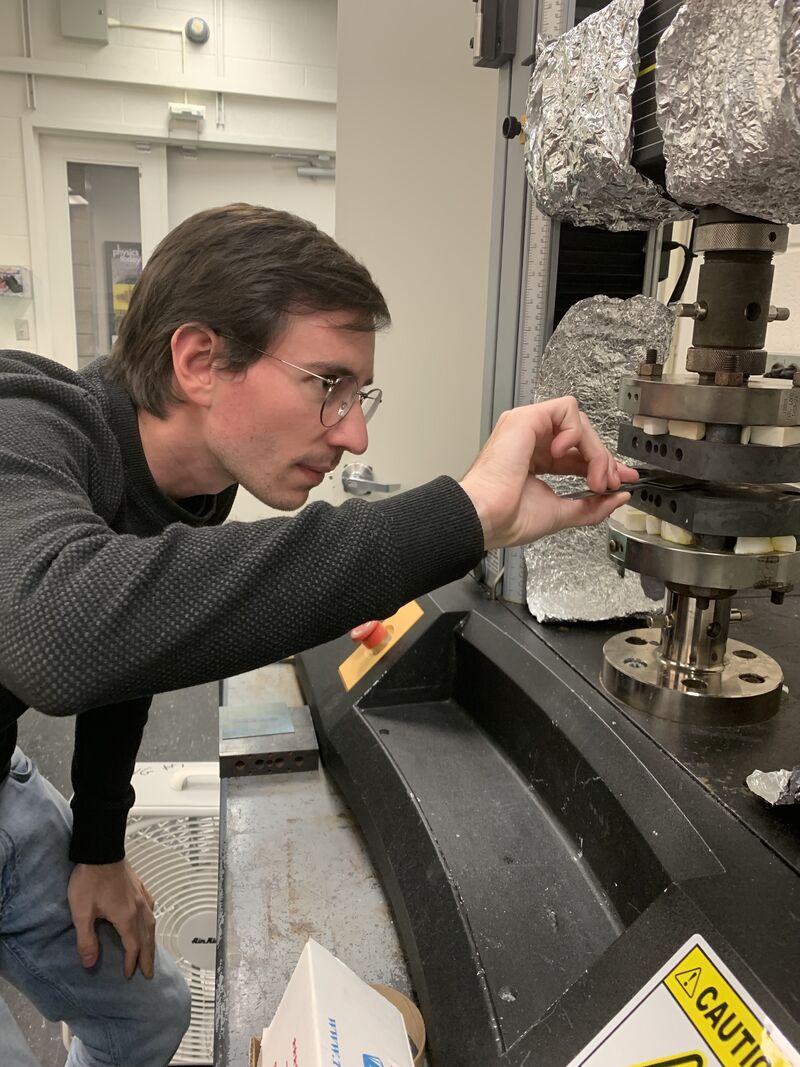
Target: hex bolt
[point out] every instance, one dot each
(777, 314)
(650, 367)
(659, 621)
(741, 614)
(778, 592)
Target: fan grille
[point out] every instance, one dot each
(177, 858)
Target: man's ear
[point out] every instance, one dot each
(194, 350)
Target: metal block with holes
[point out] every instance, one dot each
(712, 461)
(727, 511)
(266, 739)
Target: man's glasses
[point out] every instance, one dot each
(341, 393)
(340, 396)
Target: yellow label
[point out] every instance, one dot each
(360, 662)
(727, 1025)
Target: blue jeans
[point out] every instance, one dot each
(117, 1022)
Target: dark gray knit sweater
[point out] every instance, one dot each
(110, 591)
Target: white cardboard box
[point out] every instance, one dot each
(329, 1017)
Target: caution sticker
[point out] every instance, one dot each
(693, 1013)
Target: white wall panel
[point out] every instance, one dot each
(415, 158)
(123, 89)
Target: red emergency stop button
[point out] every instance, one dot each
(372, 635)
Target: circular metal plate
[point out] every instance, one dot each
(741, 237)
(741, 360)
(747, 690)
(691, 565)
(681, 398)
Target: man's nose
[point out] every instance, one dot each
(350, 433)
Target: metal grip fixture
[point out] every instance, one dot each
(696, 631)
(683, 666)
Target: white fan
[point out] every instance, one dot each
(172, 843)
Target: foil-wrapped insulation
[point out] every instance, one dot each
(728, 103)
(776, 787)
(578, 135)
(569, 576)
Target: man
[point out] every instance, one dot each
(246, 358)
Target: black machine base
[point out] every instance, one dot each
(546, 851)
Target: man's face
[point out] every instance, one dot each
(263, 425)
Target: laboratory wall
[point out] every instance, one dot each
(267, 77)
(416, 141)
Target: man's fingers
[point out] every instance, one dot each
(590, 510)
(567, 426)
(131, 945)
(597, 457)
(147, 951)
(613, 477)
(570, 463)
(627, 474)
(88, 946)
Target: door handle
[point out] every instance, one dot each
(359, 479)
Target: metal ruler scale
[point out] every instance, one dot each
(537, 299)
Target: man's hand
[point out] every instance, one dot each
(553, 437)
(112, 891)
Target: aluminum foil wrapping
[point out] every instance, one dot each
(776, 787)
(578, 135)
(728, 94)
(569, 575)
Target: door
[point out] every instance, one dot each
(105, 205)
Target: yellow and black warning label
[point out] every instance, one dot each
(734, 1033)
(693, 1013)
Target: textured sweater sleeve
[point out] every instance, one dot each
(106, 743)
(90, 617)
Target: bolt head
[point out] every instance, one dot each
(651, 370)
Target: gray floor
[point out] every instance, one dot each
(182, 726)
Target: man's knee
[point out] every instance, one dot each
(172, 1002)
(146, 1027)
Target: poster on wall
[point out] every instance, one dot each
(124, 265)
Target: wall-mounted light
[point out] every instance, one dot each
(197, 30)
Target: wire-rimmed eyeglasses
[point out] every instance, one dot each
(342, 392)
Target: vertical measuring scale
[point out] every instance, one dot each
(537, 298)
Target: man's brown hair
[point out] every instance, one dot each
(239, 270)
